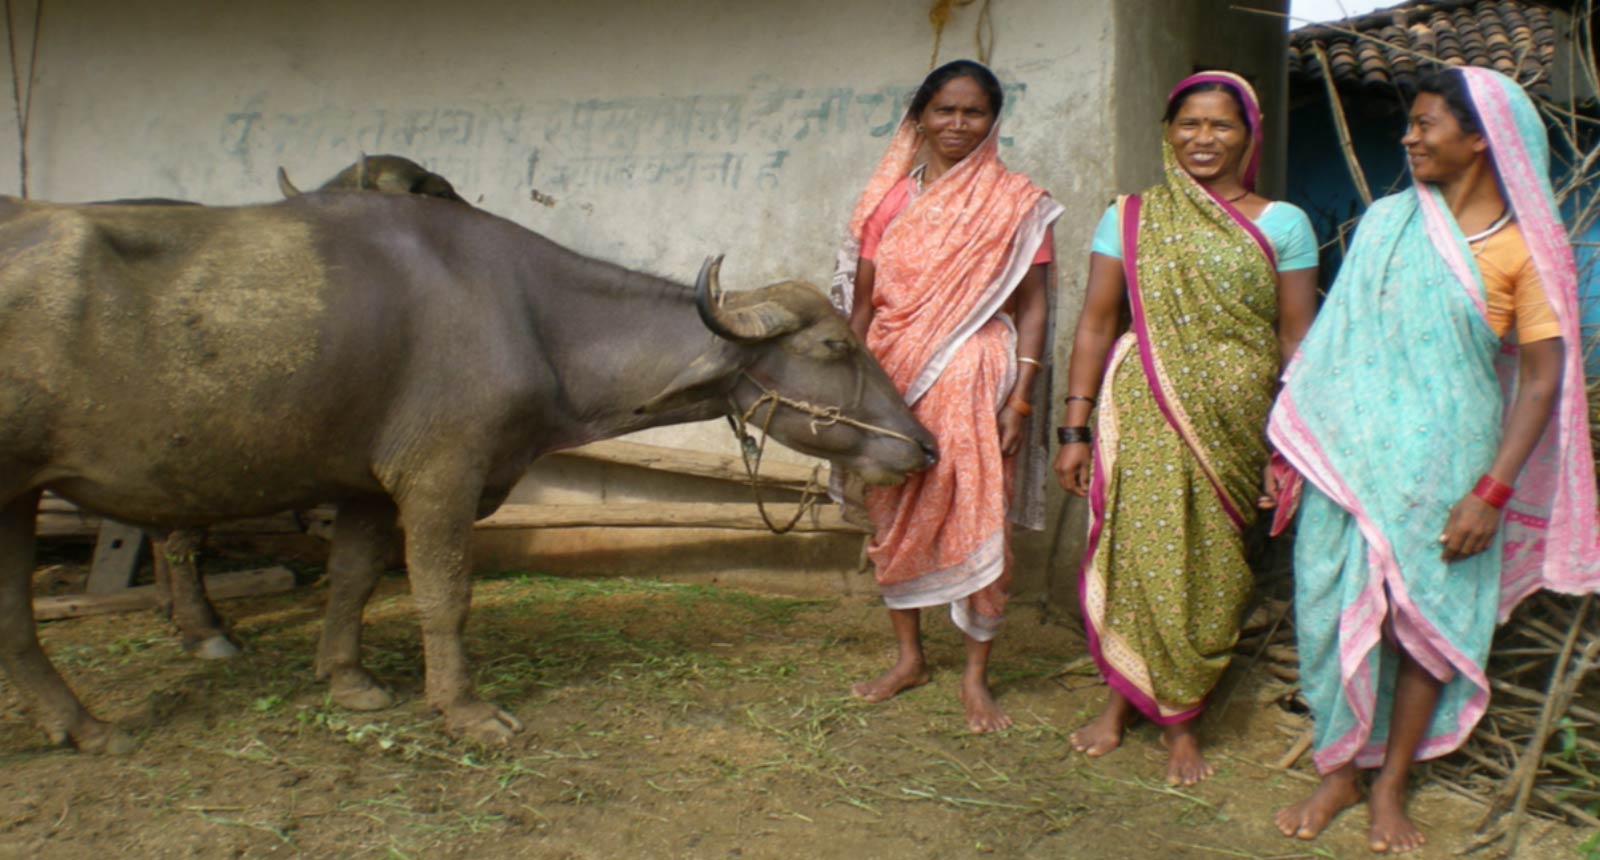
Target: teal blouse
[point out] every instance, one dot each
(1284, 224)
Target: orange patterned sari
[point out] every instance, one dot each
(945, 267)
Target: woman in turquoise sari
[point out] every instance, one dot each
(1440, 489)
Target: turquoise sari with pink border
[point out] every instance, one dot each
(1391, 411)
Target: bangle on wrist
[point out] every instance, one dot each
(1073, 435)
(1022, 407)
(1084, 397)
(1023, 359)
(1491, 491)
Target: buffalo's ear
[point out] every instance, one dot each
(708, 370)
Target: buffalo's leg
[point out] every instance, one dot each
(363, 531)
(437, 540)
(46, 695)
(182, 595)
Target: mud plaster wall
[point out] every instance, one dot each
(647, 133)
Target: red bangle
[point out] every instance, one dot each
(1494, 493)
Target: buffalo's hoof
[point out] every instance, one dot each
(215, 648)
(360, 693)
(482, 723)
(102, 738)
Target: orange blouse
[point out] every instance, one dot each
(1512, 287)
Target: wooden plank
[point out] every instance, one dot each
(702, 464)
(740, 516)
(78, 524)
(222, 586)
(52, 503)
(117, 553)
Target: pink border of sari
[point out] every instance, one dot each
(1097, 507)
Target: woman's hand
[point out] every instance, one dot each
(1012, 426)
(1473, 521)
(1270, 488)
(1072, 467)
(1470, 529)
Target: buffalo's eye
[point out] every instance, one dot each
(837, 345)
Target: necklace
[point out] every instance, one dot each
(1240, 197)
(1505, 215)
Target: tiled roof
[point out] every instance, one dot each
(1515, 37)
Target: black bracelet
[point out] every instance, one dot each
(1072, 435)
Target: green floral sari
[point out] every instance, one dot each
(1179, 446)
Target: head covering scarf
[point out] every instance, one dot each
(1252, 114)
(943, 271)
(1392, 410)
(1554, 540)
(1178, 449)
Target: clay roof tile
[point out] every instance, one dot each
(1516, 37)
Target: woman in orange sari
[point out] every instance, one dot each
(943, 275)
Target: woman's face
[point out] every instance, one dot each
(1209, 136)
(957, 119)
(1438, 149)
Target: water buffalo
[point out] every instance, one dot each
(406, 360)
(180, 590)
(392, 174)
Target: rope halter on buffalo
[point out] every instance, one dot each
(744, 326)
(751, 451)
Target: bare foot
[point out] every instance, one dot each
(1185, 765)
(902, 677)
(1104, 733)
(1392, 831)
(983, 715)
(1337, 792)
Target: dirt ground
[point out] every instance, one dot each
(664, 720)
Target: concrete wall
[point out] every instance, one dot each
(647, 133)
(1160, 43)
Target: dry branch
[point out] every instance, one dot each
(1515, 793)
(1357, 175)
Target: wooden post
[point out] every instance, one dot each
(117, 553)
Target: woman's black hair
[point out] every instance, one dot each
(1175, 104)
(1450, 85)
(948, 72)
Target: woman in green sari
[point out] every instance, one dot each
(1221, 285)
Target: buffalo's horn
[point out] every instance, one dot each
(285, 185)
(757, 322)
